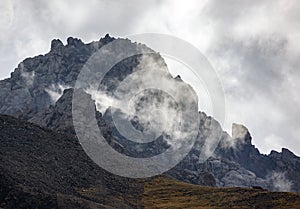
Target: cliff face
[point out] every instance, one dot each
(35, 92)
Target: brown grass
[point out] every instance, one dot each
(163, 192)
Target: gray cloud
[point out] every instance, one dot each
(254, 52)
(253, 45)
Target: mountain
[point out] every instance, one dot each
(40, 91)
(41, 168)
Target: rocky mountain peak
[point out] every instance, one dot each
(74, 42)
(107, 38)
(55, 44)
(287, 153)
(284, 154)
(38, 82)
(178, 78)
(240, 132)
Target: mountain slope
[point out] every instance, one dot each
(163, 192)
(40, 168)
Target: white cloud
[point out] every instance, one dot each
(56, 91)
(27, 76)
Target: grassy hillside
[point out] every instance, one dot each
(162, 192)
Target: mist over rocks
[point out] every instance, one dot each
(58, 116)
(229, 165)
(38, 82)
(40, 91)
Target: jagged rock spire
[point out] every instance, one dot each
(241, 132)
(74, 42)
(56, 43)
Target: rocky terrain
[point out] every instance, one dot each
(241, 164)
(229, 166)
(224, 168)
(41, 168)
(45, 162)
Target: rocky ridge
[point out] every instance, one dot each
(38, 83)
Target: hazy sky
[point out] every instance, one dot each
(254, 46)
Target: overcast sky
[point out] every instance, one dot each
(254, 46)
